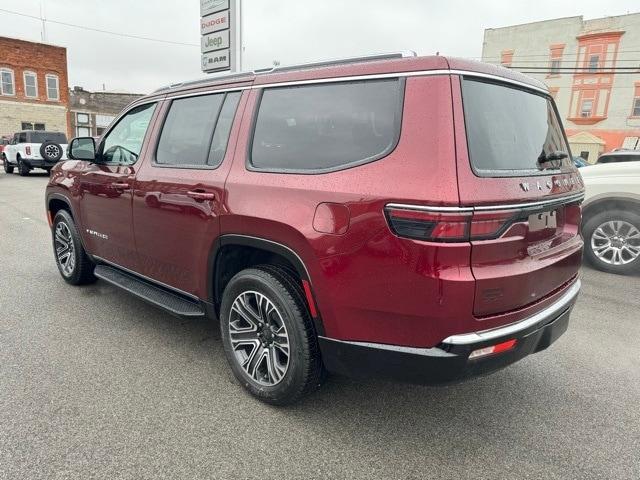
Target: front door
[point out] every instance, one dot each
(179, 192)
(106, 187)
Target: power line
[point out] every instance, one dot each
(82, 27)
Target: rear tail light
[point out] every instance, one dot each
(493, 349)
(27, 149)
(448, 226)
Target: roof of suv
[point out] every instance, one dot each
(41, 131)
(349, 68)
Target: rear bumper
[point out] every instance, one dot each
(449, 361)
(39, 162)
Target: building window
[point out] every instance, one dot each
(7, 83)
(506, 57)
(636, 107)
(83, 132)
(82, 118)
(32, 126)
(53, 90)
(587, 107)
(594, 63)
(30, 85)
(100, 131)
(555, 57)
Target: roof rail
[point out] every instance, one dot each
(339, 61)
(192, 83)
(321, 63)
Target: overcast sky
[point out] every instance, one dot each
(291, 31)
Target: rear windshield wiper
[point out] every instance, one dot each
(551, 159)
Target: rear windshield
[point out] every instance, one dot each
(41, 137)
(510, 131)
(618, 158)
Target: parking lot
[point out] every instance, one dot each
(97, 384)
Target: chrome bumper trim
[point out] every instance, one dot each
(547, 314)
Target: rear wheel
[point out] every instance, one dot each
(74, 264)
(268, 335)
(7, 168)
(613, 241)
(23, 169)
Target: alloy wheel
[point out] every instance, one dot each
(259, 338)
(65, 250)
(616, 242)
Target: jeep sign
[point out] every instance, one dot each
(218, 35)
(215, 41)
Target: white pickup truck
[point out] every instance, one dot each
(611, 216)
(31, 149)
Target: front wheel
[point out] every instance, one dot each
(268, 335)
(7, 168)
(612, 241)
(74, 264)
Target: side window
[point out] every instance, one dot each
(186, 135)
(326, 127)
(124, 142)
(223, 129)
(22, 137)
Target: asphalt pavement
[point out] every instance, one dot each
(97, 384)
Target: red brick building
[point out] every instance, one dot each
(34, 91)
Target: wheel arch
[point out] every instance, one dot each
(610, 202)
(250, 251)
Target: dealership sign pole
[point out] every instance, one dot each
(221, 35)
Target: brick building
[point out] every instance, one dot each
(34, 93)
(592, 68)
(91, 112)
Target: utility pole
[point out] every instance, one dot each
(44, 22)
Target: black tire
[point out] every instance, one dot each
(82, 271)
(304, 372)
(7, 168)
(23, 169)
(590, 227)
(51, 151)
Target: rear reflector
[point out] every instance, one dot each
(493, 349)
(446, 226)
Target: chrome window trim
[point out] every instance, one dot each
(511, 206)
(351, 78)
(548, 313)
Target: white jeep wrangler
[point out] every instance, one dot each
(31, 149)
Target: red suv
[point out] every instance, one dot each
(396, 216)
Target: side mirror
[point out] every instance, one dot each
(82, 148)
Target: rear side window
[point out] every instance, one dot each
(618, 158)
(196, 130)
(510, 131)
(315, 128)
(41, 137)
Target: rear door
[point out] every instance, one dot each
(179, 193)
(515, 171)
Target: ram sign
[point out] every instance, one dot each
(217, 34)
